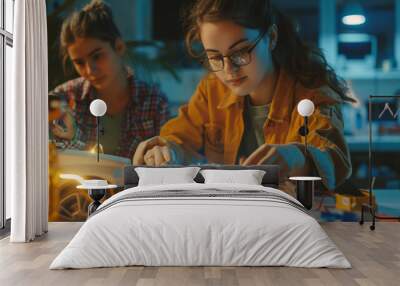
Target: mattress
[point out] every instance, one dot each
(201, 225)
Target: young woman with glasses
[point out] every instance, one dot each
(244, 111)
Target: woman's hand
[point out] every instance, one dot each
(152, 152)
(66, 133)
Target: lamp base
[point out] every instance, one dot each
(305, 188)
(305, 193)
(96, 195)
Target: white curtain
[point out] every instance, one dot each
(26, 124)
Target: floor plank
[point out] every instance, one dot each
(374, 255)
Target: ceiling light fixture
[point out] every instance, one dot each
(353, 14)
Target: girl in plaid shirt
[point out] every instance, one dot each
(135, 109)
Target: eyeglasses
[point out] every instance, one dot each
(238, 58)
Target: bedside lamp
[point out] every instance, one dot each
(305, 109)
(98, 108)
(305, 185)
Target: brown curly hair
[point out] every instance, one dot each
(303, 62)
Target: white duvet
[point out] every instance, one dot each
(192, 231)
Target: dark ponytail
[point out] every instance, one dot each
(303, 62)
(95, 20)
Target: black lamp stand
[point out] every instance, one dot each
(96, 195)
(98, 137)
(303, 131)
(305, 188)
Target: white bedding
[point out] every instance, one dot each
(183, 231)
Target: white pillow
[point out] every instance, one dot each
(248, 177)
(165, 176)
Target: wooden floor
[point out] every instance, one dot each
(374, 255)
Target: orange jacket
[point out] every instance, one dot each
(212, 123)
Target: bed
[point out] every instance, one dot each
(201, 224)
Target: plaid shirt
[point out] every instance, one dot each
(146, 112)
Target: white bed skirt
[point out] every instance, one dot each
(201, 232)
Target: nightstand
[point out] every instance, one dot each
(305, 187)
(96, 193)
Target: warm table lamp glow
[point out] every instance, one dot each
(98, 108)
(72, 177)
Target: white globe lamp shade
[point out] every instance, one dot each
(305, 107)
(98, 107)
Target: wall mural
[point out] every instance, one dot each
(96, 52)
